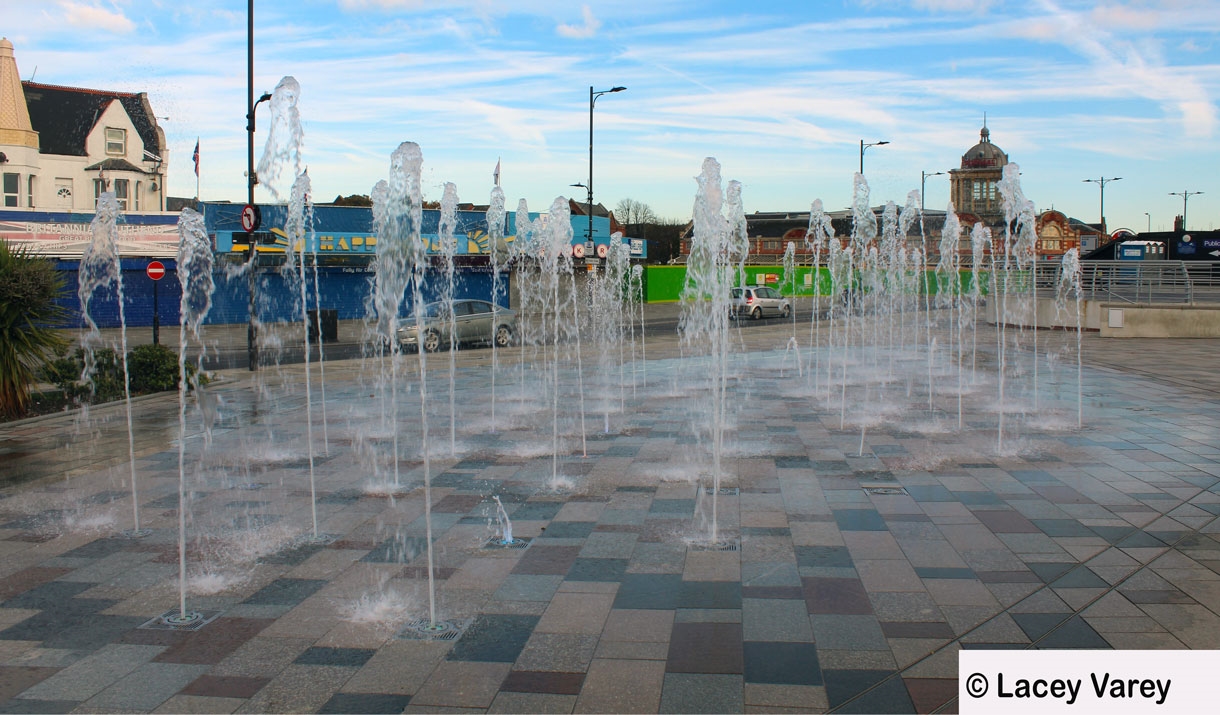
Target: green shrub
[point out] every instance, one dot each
(153, 368)
(28, 316)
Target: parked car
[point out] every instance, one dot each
(758, 301)
(475, 322)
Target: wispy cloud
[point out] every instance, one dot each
(580, 32)
(96, 17)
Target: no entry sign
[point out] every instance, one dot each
(155, 270)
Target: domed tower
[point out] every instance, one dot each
(974, 188)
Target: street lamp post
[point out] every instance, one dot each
(1185, 196)
(1149, 217)
(864, 146)
(251, 180)
(593, 100)
(1101, 182)
(923, 179)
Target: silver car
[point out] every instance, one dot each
(758, 301)
(474, 321)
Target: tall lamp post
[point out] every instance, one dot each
(923, 180)
(1101, 182)
(251, 180)
(864, 146)
(593, 100)
(1149, 217)
(1185, 196)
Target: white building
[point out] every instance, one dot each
(60, 147)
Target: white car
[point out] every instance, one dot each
(474, 321)
(757, 302)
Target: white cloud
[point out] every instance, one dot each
(96, 17)
(589, 29)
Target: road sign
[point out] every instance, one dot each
(155, 270)
(578, 250)
(251, 218)
(602, 250)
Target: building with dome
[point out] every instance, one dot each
(974, 187)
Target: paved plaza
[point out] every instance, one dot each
(860, 545)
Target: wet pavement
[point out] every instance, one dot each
(860, 545)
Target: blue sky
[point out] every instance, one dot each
(780, 92)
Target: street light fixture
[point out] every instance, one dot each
(1149, 217)
(1102, 183)
(593, 100)
(1185, 196)
(864, 146)
(923, 179)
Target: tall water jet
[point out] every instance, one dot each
(495, 240)
(101, 269)
(448, 247)
(719, 245)
(296, 225)
(1068, 287)
(195, 262)
(1019, 255)
(948, 283)
(820, 231)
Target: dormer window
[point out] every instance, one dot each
(116, 141)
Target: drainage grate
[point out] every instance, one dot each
(885, 491)
(496, 542)
(723, 491)
(724, 545)
(422, 629)
(250, 486)
(311, 539)
(176, 620)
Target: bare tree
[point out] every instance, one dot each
(633, 215)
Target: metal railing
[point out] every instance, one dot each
(1140, 282)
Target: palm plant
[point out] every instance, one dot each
(29, 315)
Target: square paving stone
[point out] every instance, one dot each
(496, 638)
(648, 591)
(400, 549)
(944, 572)
(701, 693)
(225, 686)
(58, 595)
(568, 530)
(542, 560)
(708, 594)
(1080, 577)
(705, 648)
(859, 520)
(930, 694)
(526, 587)
(1062, 527)
(27, 705)
(597, 570)
(285, 592)
(930, 493)
(793, 462)
(1069, 631)
(781, 663)
(537, 511)
(530, 681)
(365, 703)
(843, 686)
(823, 556)
(345, 657)
(672, 506)
(1006, 522)
(836, 595)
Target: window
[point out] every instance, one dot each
(63, 192)
(31, 183)
(120, 193)
(12, 189)
(99, 187)
(116, 141)
(136, 196)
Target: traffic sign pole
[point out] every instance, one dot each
(155, 272)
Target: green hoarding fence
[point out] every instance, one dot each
(664, 284)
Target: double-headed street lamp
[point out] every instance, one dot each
(1101, 182)
(864, 146)
(251, 180)
(1185, 196)
(593, 100)
(923, 180)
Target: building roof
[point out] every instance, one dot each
(64, 116)
(15, 127)
(984, 155)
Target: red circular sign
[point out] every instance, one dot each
(251, 218)
(155, 270)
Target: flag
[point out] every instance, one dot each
(196, 157)
(496, 174)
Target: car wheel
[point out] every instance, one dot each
(432, 341)
(756, 314)
(785, 311)
(504, 336)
